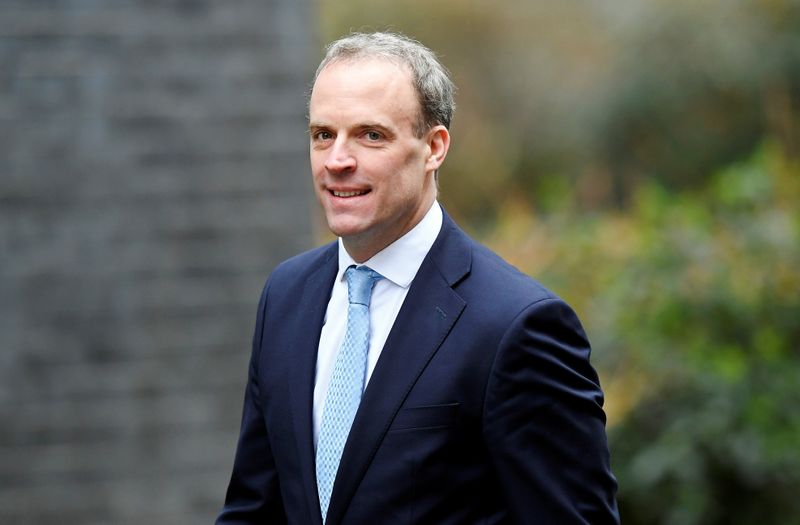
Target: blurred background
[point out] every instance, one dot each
(641, 158)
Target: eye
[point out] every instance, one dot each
(322, 135)
(373, 136)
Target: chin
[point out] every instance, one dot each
(345, 228)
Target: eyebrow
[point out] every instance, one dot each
(376, 125)
(364, 125)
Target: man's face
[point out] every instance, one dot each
(373, 177)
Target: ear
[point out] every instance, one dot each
(438, 140)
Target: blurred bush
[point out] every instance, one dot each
(692, 302)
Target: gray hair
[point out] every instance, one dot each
(430, 78)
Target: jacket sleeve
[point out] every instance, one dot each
(544, 423)
(253, 494)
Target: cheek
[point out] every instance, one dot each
(317, 177)
(316, 163)
(410, 168)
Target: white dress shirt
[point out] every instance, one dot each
(398, 263)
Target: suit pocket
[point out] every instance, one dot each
(425, 417)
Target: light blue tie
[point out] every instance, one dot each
(347, 382)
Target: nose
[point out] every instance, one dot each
(340, 159)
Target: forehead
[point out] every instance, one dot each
(353, 82)
(385, 66)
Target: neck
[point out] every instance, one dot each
(362, 249)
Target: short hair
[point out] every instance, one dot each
(430, 78)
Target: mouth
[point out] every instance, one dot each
(347, 194)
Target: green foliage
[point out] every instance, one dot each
(692, 301)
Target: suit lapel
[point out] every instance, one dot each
(431, 308)
(313, 304)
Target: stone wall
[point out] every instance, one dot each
(153, 169)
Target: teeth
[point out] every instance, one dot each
(348, 193)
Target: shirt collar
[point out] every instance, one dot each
(400, 261)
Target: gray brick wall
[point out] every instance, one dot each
(153, 169)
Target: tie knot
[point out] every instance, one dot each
(360, 281)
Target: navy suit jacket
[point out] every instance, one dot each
(483, 407)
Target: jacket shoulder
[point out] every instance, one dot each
(304, 263)
(288, 278)
(505, 275)
(498, 282)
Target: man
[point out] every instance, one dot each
(406, 374)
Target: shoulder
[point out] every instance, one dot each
(289, 276)
(491, 279)
(489, 267)
(305, 263)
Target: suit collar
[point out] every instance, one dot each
(452, 252)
